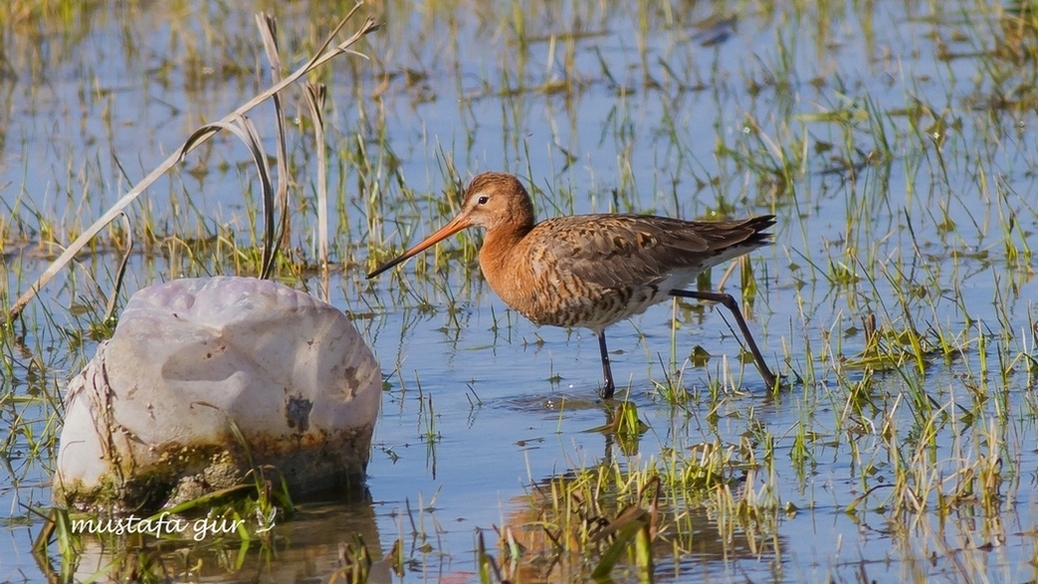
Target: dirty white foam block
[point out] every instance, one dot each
(207, 378)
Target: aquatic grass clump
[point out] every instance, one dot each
(889, 349)
(605, 520)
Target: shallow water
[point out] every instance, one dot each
(599, 108)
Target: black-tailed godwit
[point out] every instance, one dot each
(594, 270)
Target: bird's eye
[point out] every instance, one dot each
(483, 200)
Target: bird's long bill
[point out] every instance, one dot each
(457, 224)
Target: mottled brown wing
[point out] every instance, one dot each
(618, 250)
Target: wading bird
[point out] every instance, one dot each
(594, 270)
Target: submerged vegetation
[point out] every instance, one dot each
(894, 141)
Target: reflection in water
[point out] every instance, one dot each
(707, 522)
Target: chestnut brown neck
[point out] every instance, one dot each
(503, 241)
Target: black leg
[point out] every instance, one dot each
(729, 302)
(606, 369)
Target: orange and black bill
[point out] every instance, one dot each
(457, 224)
